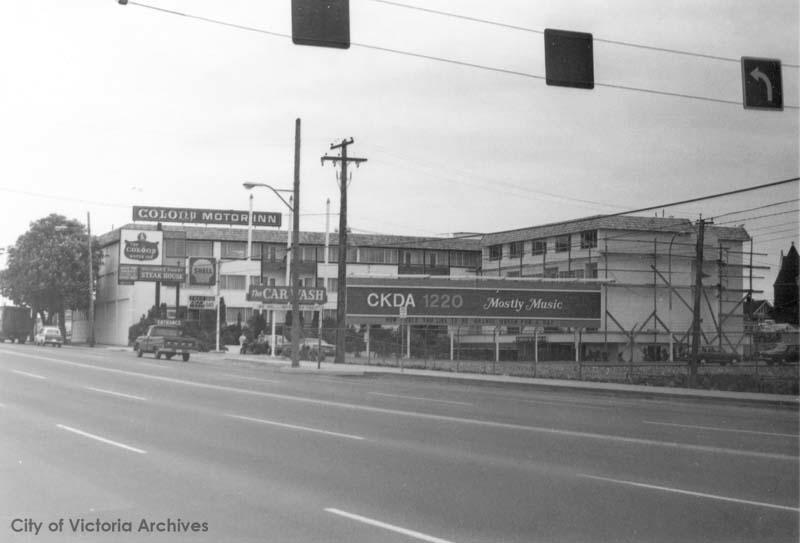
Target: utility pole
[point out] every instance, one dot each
(698, 293)
(91, 280)
(295, 251)
(341, 282)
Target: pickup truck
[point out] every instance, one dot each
(165, 340)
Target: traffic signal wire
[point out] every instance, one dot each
(539, 31)
(443, 59)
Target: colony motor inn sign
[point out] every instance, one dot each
(494, 300)
(205, 216)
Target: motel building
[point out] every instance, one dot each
(625, 284)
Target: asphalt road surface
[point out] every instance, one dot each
(167, 451)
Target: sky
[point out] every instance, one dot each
(104, 106)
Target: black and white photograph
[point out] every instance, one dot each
(367, 271)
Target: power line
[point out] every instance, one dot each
(539, 31)
(60, 198)
(755, 208)
(760, 217)
(445, 60)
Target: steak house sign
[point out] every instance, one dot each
(579, 307)
(205, 216)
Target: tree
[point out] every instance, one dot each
(47, 268)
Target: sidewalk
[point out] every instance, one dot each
(328, 368)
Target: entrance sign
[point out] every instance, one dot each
(762, 85)
(283, 295)
(141, 247)
(496, 301)
(205, 216)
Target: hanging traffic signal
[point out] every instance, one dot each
(323, 23)
(568, 59)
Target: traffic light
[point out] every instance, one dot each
(323, 23)
(568, 59)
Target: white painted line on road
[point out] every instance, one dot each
(120, 394)
(295, 427)
(385, 526)
(717, 429)
(101, 439)
(692, 493)
(259, 379)
(25, 373)
(429, 416)
(417, 398)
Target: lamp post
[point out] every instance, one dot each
(291, 263)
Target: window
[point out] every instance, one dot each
(591, 270)
(565, 274)
(515, 249)
(410, 257)
(174, 248)
(231, 282)
(589, 239)
(199, 248)
(495, 252)
(307, 253)
(333, 254)
(562, 244)
(539, 246)
(234, 249)
(368, 255)
(464, 259)
(551, 272)
(332, 284)
(436, 258)
(255, 280)
(274, 253)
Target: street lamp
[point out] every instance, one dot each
(291, 262)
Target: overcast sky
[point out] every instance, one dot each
(104, 106)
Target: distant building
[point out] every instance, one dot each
(786, 289)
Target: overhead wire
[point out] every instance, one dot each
(442, 59)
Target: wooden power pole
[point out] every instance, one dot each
(341, 282)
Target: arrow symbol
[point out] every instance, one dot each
(758, 74)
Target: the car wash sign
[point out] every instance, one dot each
(205, 216)
(445, 301)
(283, 295)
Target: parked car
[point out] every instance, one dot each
(715, 355)
(781, 354)
(166, 340)
(49, 335)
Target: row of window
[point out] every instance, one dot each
(589, 271)
(561, 244)
(181, 248)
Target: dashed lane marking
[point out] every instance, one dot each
(691, 493)
(295, 427)
(26, 374)
(101, 439)
(120, 394)
(417, 398)
(386, 526)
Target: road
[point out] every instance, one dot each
(247, 454)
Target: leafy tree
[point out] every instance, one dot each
(47, 268)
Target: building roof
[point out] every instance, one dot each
(611, 222)
(470, 243)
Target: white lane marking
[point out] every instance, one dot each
(385, 526)
(120, 394)
(692, 493)
(101, 439)
(25, 373)
(295, 427)
(417, 398)
(717, 429)
(259, 379)
(428, 416)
